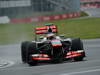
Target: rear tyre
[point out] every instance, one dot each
(77, 45)
(23, 51)
(31, 49)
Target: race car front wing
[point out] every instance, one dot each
(70, 54)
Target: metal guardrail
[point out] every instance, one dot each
(90, 0)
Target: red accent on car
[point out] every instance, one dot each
(44, 29)
(56, 45)
(71, 54)
(41, 57)
(40, 32)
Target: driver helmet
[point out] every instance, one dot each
(50, 36)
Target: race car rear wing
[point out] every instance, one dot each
(46, 29)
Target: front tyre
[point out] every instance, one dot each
(31, 49)
(23, 51)
(77, 44)
(32, 62)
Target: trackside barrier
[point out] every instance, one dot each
(4, 19)
(45, 18)
(89, 0)
(91, 5)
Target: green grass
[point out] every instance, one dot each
(83, 14)
(83, 28)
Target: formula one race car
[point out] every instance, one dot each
(52, 47)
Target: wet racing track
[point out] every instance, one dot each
(90, 65)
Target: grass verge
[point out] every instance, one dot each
(83, 28)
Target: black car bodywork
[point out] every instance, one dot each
(54, 50)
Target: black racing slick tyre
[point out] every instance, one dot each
(77, 44)
(31, 49)
(23, 51)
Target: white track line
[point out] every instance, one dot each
(72, 73)
(7, 64)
